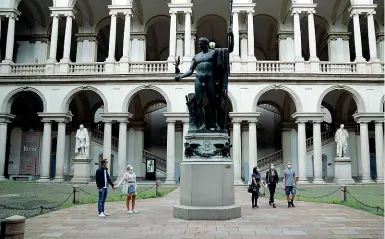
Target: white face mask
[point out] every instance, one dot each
(272, 167)
(289, 165)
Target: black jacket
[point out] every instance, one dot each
(100, 183)
(268, 175)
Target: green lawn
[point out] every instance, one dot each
(370, 197)
(31, 199)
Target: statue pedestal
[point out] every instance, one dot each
(82, 169)
(343, 171)
(207, 181)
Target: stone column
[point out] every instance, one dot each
(122, 152)
(243, 45)
(237, 151)
(380, 46)
(131, 146)
(250, 34)
(138, 162)
(60, 151)
(236, 34)
(312, 40)
(172, 44)
(67, 38)
(126, 36)
(112, 42)
(372, 36)
(170, 178)
(317, 147)
(193, 38)
(107, 142)
(302, 177)
(46, 152)
(10, 37)
(357, 36)
(379, 137)
(297, 36)
(365, 160)
(187, 36)
(54, 38)
(253, 155)
(3, 147)
(282, 47)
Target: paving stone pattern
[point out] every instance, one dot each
(155, 220)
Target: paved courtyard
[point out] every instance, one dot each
(155, 220)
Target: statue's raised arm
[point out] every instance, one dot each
(230, 36)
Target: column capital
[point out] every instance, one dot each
(46, 120)
(236, 121)
(109, 117)
(245, 116)
(236, 11)
(187, 12)
(288, 125)
(128, 13)
(87, 36)
(113, 13)
(6, 118)
(306, 117)
(373, 12)
(173, 11)
(368, 117)
(176, 116)
(170, 121)
(311, 12)
(62, 11)
(57, 117)
(250, 12)
(295, 12)
(379, 122)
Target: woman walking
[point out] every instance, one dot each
(129, 188)
(256, 180)
(272, 180)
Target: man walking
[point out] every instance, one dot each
(289, 183)
(102, 181)
(272, 180)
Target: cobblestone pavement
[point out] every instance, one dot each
(155, 220)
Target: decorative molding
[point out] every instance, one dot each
(368, 117)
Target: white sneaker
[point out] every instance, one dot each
(130, 212)
(101, 215)
(106, 214)
(135, 211)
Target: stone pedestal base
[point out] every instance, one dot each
(207, 182)
(82, 169)
(343, 171)
(14, 227)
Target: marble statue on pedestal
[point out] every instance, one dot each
(82, 143)
(341, 138)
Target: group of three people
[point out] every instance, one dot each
(272, 179)
(128, 181)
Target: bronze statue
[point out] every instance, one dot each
(213, 69)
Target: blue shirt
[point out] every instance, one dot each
(289, 177)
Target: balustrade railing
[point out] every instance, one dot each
(98, 136)
(382, 67)
(331, 67)
(87, 68)
(27, 69)
(275, 66)
(148, 67)
(274, 158)
(326, 137)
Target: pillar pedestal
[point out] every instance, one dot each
(207, 180)
(82, 169)
(343, 171)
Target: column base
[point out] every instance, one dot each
(314, 65)
(343, 171)
(64, 67)
(239, 182)
(3, 179)
(303, 181)
(376, 65)
(5, 67)
(50, 67)
(343, 181)
(251, 65)
(366, 180)
(43, 180)
(109, 65)
(170, 182)
(378, 180)
(124, 66)
(318, 181)
(58, 180)
(300, 66)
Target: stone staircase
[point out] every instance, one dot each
(277, 157)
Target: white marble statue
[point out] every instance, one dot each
(82, 142)
(341, 138)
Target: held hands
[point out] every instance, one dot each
(114, 187)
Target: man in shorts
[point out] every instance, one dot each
(289, 183)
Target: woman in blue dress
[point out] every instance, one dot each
(255, 181)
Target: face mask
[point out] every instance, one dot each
(272, 167)
(289, 165)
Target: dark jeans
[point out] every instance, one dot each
(254, 197)
(272, 187)
(102, 199)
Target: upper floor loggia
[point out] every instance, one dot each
(146, 36)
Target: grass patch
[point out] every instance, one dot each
(368, 198)
(29, 199)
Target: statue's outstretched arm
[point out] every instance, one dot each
(190, 71)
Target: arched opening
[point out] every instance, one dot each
(24, 135)
(147, 134)
(214, 28)
(342, 105)
(157, 46)
(321, 34)
(265, 38)
(103, 31)
(86, 106)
